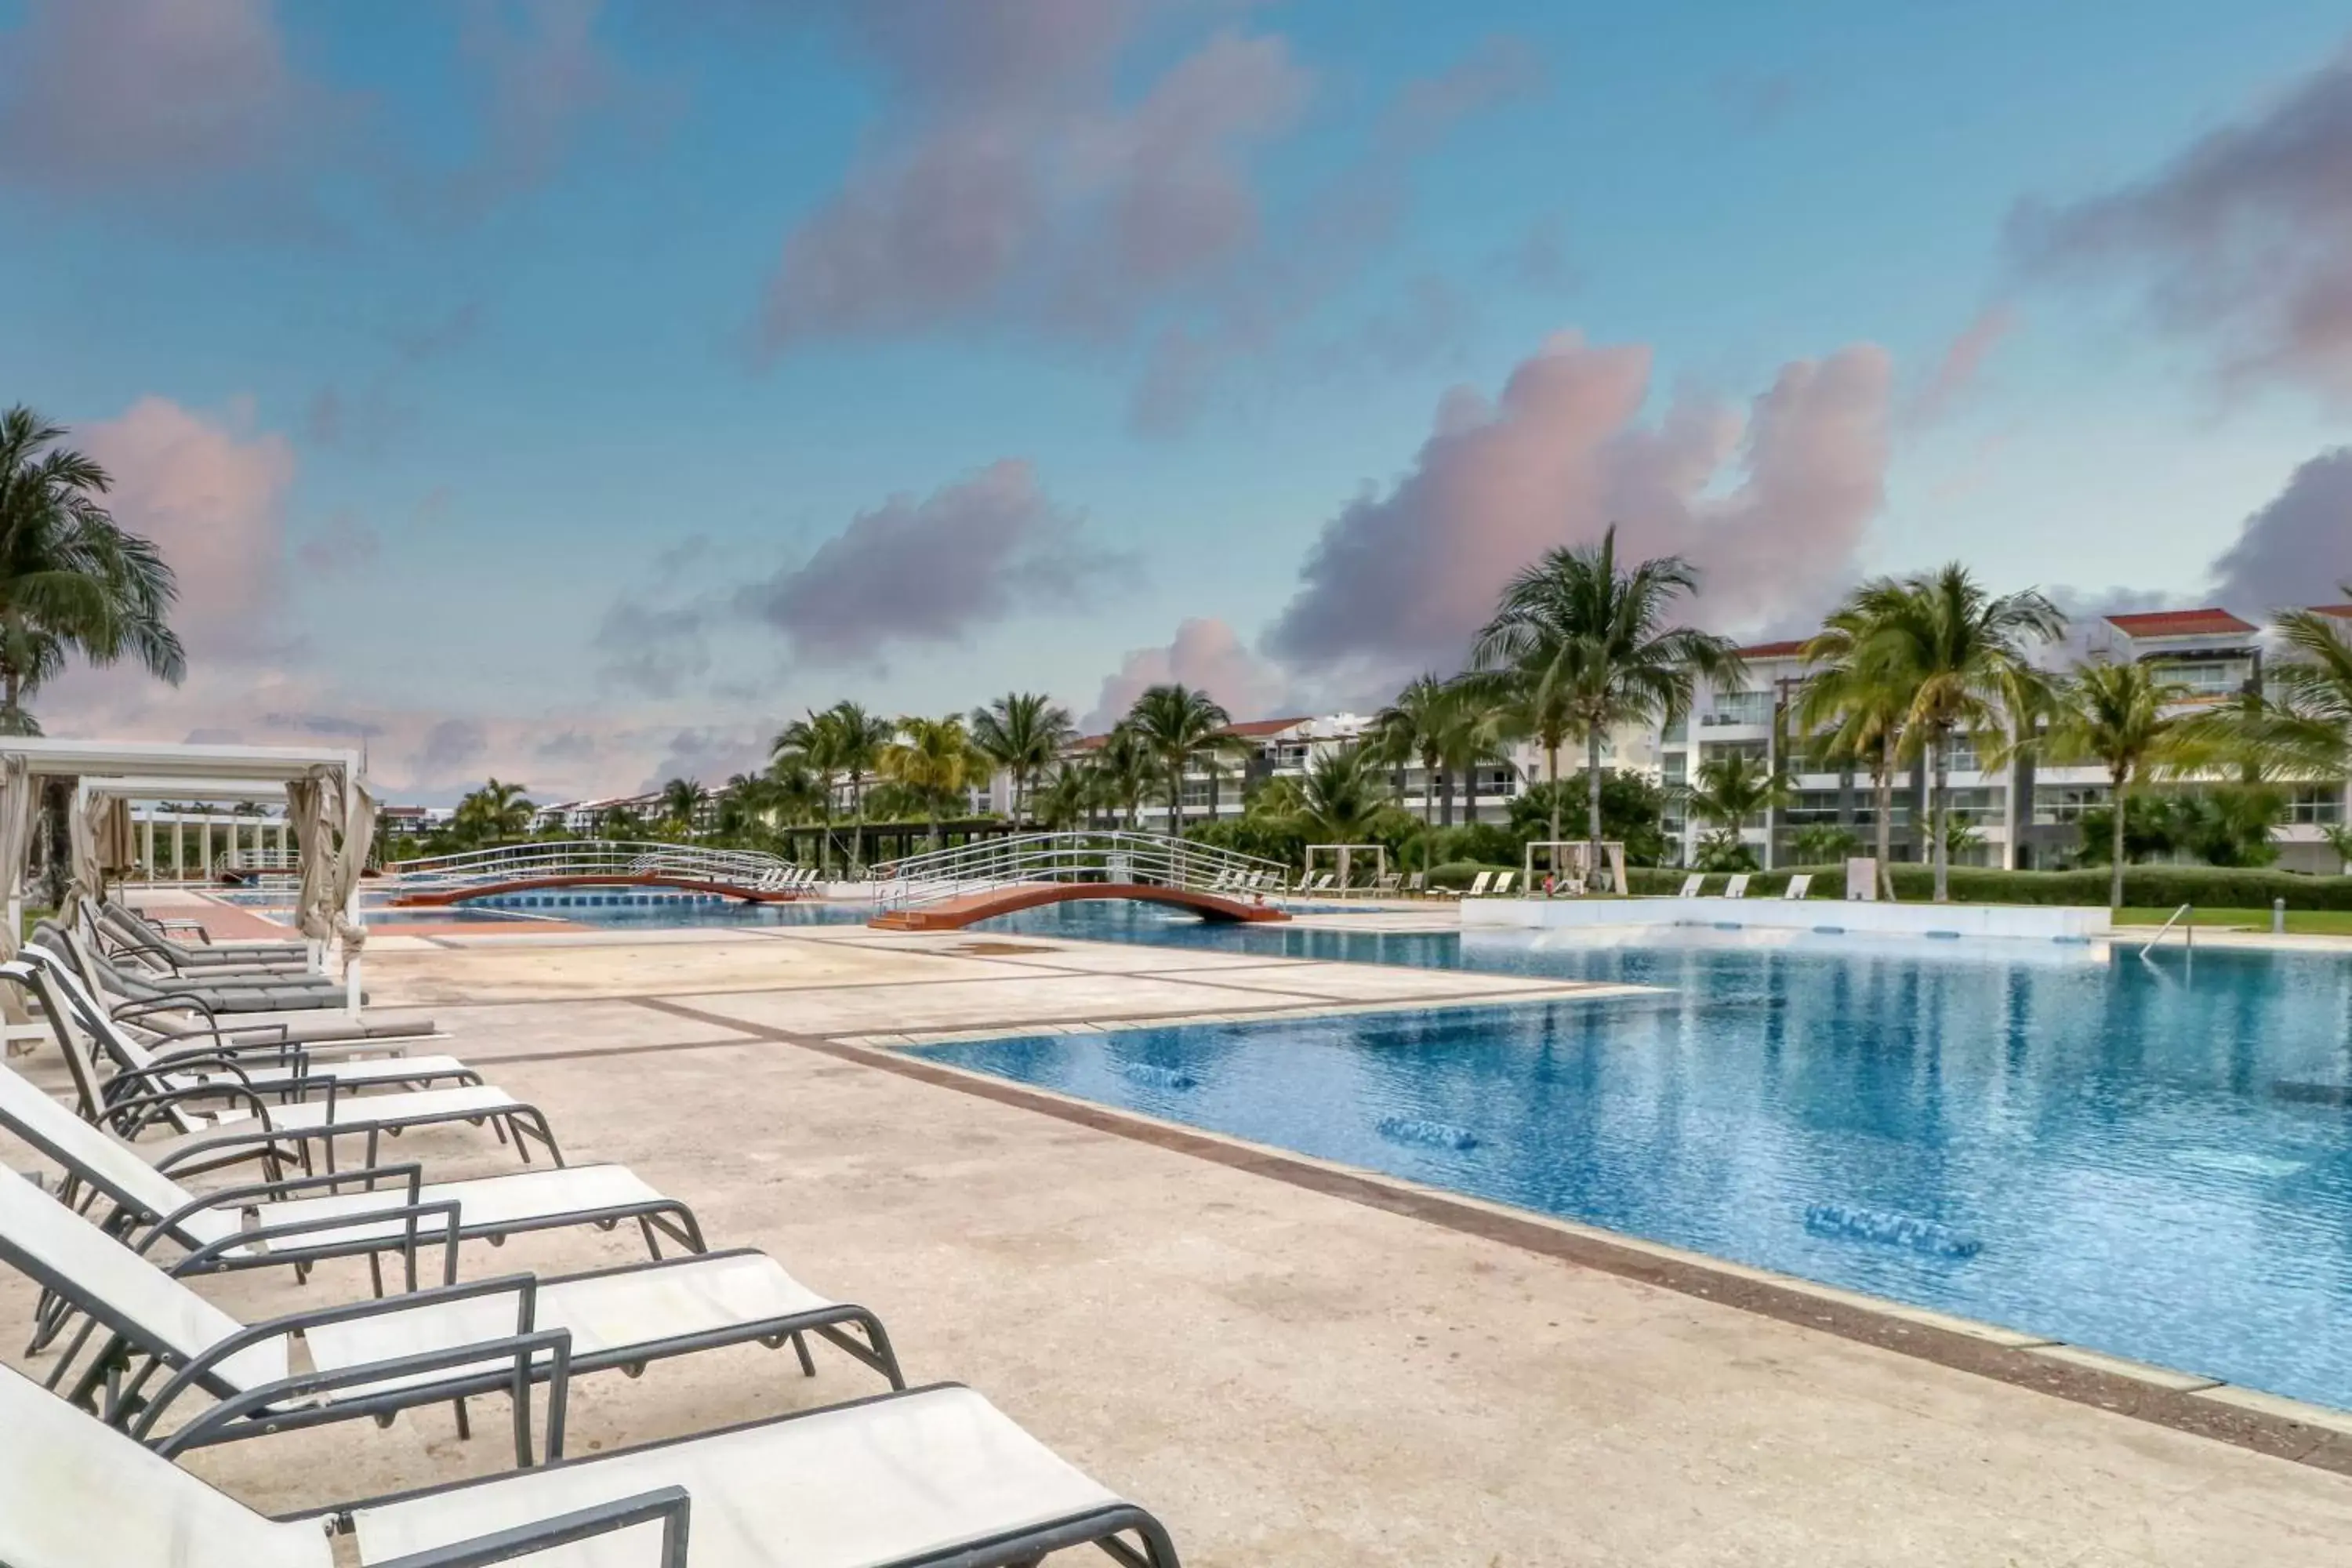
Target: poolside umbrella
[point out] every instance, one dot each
(118, 852)
(358, 810)
(89, 874)
(16, 793)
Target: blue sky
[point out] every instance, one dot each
(576, 391)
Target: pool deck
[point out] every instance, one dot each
(1288, 1361)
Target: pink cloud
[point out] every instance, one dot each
(1009, 175)
(211, 493)
(143, 91)
(1206, 654)
(2244, 241)
(1964, 360)
(1401, 581)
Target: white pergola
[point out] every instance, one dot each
(324, 790)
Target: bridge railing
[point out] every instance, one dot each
(1085, 855)
(589, 858)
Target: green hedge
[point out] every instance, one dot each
(2145, 886)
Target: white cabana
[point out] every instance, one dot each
(328, 806)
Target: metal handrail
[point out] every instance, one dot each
(589, 858)
(1082, 855)
(2188, 932)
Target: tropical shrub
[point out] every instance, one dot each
(1633, 811)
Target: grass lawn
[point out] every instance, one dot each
(2303, 922)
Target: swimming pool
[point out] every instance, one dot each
(2150, 1159)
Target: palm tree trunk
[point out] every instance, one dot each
(2115, 886)
(1940, 818)
(1885, 783)
(1593, 805)
(1176, 800)
(1445, 780)
(1552, 768)
(856, 818)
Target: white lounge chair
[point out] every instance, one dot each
(1737, 887)
(1479, 885)
(161, 1348)
(297, 1221)
(284, 1071)
(1502, 880)
(1692, 884)
(1801, 885)
(932, 1475)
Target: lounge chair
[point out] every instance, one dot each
(225, 994)
(137, 925)
(933, 1475)
(298, 1221)
(222, 1120)
(283, 1070)
(1417, 885)
(158, 1343)
(1478, 886)
(117, 927)
(1737, 887)
(1801, 885)
(1388, 884)
(1692, 884)
(1502, 884)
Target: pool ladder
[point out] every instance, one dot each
(2187, 932)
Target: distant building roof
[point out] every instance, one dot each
(2204, 623)
(2341, 612)
(1252, 728)
(1774, 649)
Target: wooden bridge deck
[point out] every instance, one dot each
(956, 912)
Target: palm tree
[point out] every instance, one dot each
(496, 811)
(71, 581)
(858, 740)
(1859, 711)
(812, 746)
(1023, 732)
(1586, 648)
(2115, 715)
(1343, 794)
(681, 799)
(1414, 728)
(1065, 799)
(1179, 726)
(1733, 787)
(1477, 719)
(936, 762)
(1962, 653)
(1123, 770)
(2308, 728)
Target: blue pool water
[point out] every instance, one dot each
(2153, 1160)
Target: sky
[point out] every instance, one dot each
(576, 392)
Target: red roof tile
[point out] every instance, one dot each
(1256, 727)
(2179, 624)
(2341, 612)
(1774, 649)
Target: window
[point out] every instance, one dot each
(1740, 708)
(1978, 808)
(1810, 805)
(1754, 750)
(2065, 803)
(2316, 805)
(2205, 676)
(1677, 731)
(1676, 767)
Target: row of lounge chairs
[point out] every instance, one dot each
(149, 1367)
(793, 879)
(1735, 885)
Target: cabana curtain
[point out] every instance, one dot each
(17, 790)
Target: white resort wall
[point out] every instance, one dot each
(2027, 922)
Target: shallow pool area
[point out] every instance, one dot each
(2151, 1159)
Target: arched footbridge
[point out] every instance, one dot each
(951, 888)
(743, 875)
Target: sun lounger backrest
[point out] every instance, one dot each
(121, 1289)
(1737, 886)
(1799, 885)
(75, 1493)
(1502, 883)
(1692, 884)
(87, 1151)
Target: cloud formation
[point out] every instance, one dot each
(211, 492)
(1206, 654)
(1009, 175)
(1955, 374)
(1401, 580)
(2244, 241)
(930, 571)
(2297, 550)
(151, 94)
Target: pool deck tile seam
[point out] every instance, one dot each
(2262, 1426)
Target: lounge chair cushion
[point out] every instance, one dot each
(861, 1484)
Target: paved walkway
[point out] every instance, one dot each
(1286, 1375)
